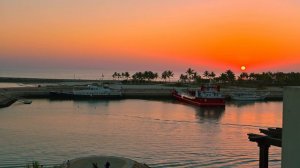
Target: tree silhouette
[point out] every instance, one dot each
(167, 74)
(212, 75)
(115, 75)
(230, 76)
(223, 77)
(138, 76)
(149, 75)
(206, 74)
(243, 75)
(252, 76)
(183, 78)
(119, 76)
(126, 75)
(170, 74)
(190, 74)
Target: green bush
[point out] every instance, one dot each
(34, 164)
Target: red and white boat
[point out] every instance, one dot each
(207, 95)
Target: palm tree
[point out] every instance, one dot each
(170, 74)
(212, 75)
(197, 79)
(252, 76)
(266, 77)
(119, 76)
(183, 78)
(138, 76)
(164, 75)
(115, 75)
(280, 77)
(243, 75)
(223, 77)
(126, 75)
(134, 77)
(155, 75)
(230, 75)
(147, 75)
(194, 76)
(122, 75)
(190, 73)
(167, 74)
(206, 74)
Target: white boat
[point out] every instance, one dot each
(89, 91)
(248, 96)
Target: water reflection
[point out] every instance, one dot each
(209, 113)
(205, 113)
(93, 102)
(85, 102)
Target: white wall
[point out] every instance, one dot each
(291, 127)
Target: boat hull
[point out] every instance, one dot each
(69, 95)
(220, 102)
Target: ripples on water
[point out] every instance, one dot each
(159, 133)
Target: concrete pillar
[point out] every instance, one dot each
(291, 127)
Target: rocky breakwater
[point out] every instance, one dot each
(10, 95)
(6, 100)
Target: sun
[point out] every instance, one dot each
(243, 68)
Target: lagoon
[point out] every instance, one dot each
(161, 133)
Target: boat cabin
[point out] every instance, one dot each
(208, 91)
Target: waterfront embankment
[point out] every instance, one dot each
(128, 91)
(146, 91)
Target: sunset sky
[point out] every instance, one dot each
(151, 34)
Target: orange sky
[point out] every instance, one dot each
(133, 34)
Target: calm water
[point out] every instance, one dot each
(159, 133)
